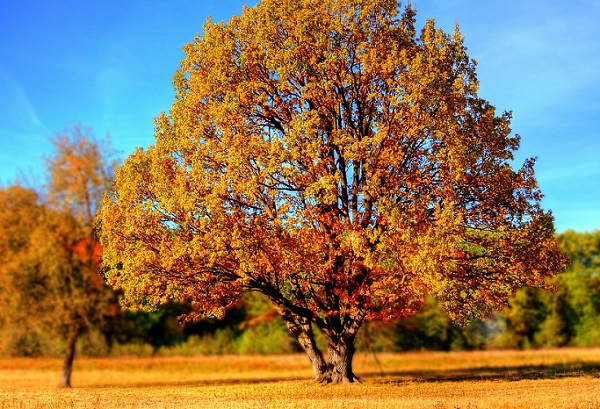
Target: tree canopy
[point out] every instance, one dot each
(326, 155)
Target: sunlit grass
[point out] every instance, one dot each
(568, 378)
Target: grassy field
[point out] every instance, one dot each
(566, 378)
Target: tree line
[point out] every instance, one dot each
(566, 314)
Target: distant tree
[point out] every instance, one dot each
(22, 283)
(522, 319)
(263, 330)
(80, 172)
(568, 315)
(51, 264)
(158, 328)
(47, 286)
(322, 153)
(430, 329)
(579, 286)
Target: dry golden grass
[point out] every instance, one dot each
(565, 378)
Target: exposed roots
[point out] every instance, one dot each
(327, 378)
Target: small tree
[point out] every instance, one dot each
(79, 172)
(322, 153)
(50, 256)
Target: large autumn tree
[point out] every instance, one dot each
(323, 153)
(49, 252)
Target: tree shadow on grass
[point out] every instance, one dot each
(201, 383)
(491, 373)
(486, 373)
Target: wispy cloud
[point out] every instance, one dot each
(19, 113)
(22, 131)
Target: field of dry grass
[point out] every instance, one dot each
(566, 378)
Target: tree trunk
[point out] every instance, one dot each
(340, 344)
(301, 329)
(315, 356)
(65, 378)
(340, 354)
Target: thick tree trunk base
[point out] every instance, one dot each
(328, 377)
(340, 348)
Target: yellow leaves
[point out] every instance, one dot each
(79, 172)
(318, 151)
(324, 190)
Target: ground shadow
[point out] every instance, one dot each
(199, 383)
(490, 373)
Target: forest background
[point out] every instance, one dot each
(55, 300)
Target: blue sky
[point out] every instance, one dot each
(108, 65)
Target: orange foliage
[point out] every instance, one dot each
(86, 249)
(90, 251)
